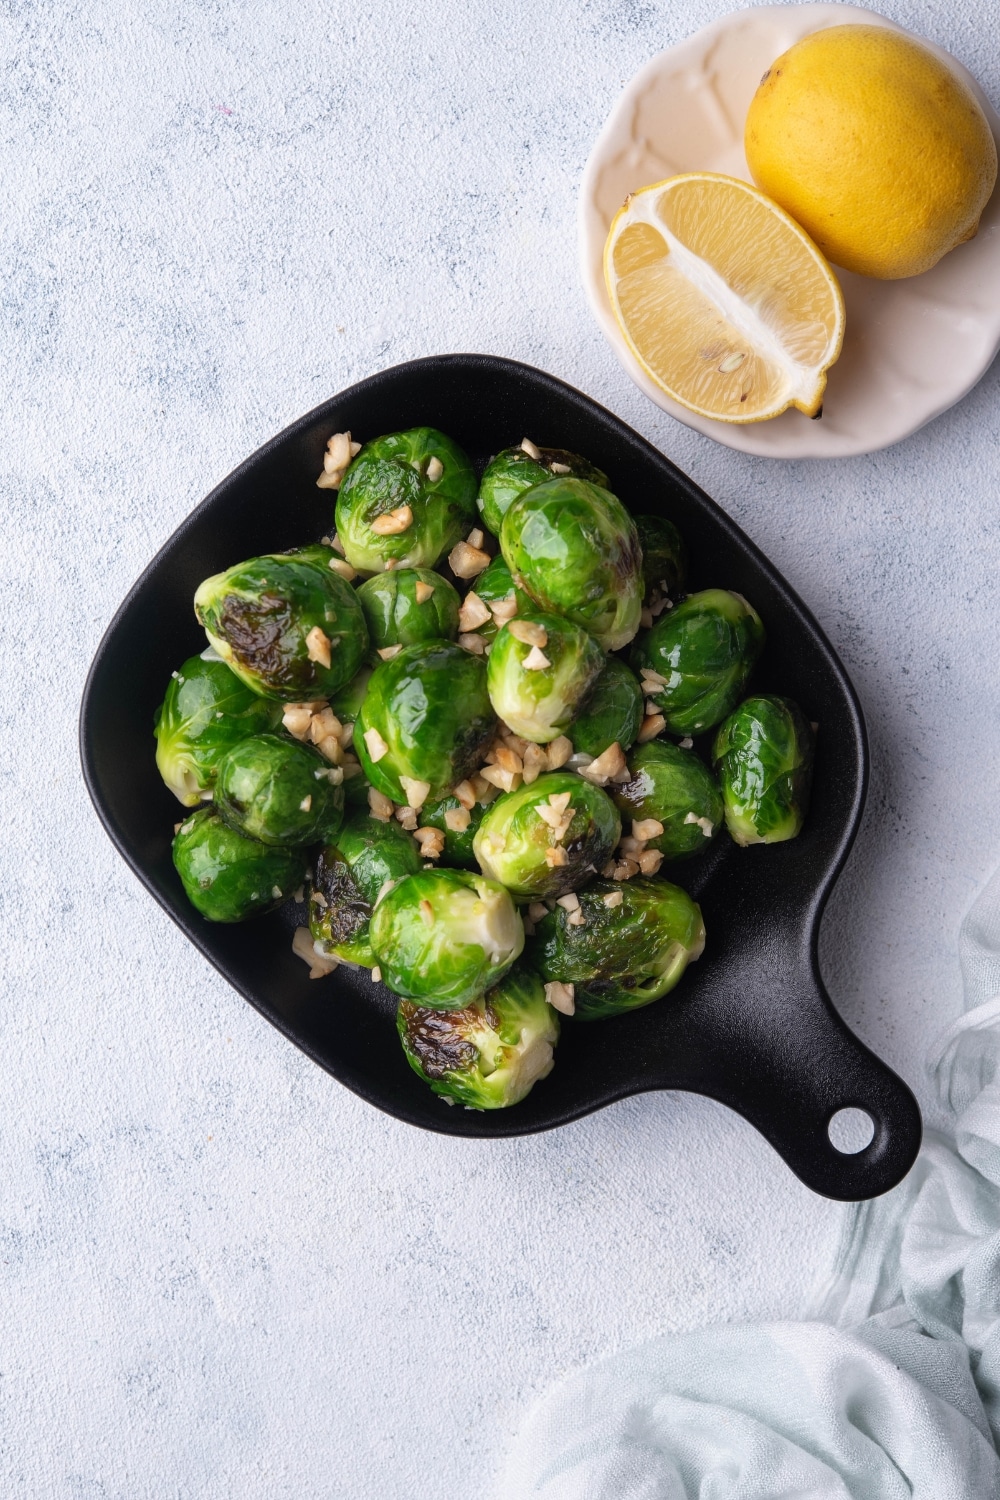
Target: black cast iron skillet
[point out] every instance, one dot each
(751, 1024)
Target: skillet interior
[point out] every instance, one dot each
(750, 1024)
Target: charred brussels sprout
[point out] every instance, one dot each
(700, 655)
(407, 499)
(764, 756)
(459, 825)
(444, 937)
(545, 839)
(288, 626)
(540, 670)
(624, 955)
(515, 470)
(350, 874)
(495, 586)
(573, 547)
(279, 791)
(229, 877)
(664, 555)
(206, 710)
(611, 713)
(407, 607)
(676, 789)
(426, 719)
(490, 1053)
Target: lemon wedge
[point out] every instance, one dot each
(723, 299)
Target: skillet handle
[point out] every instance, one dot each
(792, 1091)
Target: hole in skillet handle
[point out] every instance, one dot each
(851, 1130)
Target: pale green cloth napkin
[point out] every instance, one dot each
(890, 1389)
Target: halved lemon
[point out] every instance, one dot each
(723, 299)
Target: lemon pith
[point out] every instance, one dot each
(875, 146)
(722, 298)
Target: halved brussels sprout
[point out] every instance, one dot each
(664, 555)
(573, 547)
(496, 586)
(279, 791)
(540, 670)
(205, 711)
(548, 838)
(407, 607)
(702, 652)
(515, 470)
(676, 788)
(489, 1054)
(406, 499)
(764, 756)
(458, 833)
(426, 717)
(288, 626)
(445, 937)
(349, 877)
(610, 714)
(635, 941)
(229, 877)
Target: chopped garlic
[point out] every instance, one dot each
(536, 660)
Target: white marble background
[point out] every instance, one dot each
(220, 1273)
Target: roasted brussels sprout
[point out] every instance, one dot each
(495, 586)
(490, 1053)
(425, 721)
(229, 877)
(406, 499)
(445, 937)
(407, 607)
(459, 825)
(540, 670)
(573, 547)
(206, 710)
(349, 876)
(664, 555)
(764, 756)
(672, 787)
(516, 469)
(288, 626)
(696, 659)
(611, 713)
(279, 791)
(545, 839)
(625, 945)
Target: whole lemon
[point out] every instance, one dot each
(874, 146)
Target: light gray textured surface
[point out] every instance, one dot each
(222, 1274)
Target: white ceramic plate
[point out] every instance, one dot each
(912, 348)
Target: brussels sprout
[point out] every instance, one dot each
(764, 756)
(574, 548)
(545, 839)
(288, 626)
(515, 470)
(610, 714)
(206, 710)
(279, 791)
(675, 788)
(348, 879)
(444, 937)
(703, 651)
(346, 703)
(406, 499)
(540, 670)
(623, 955)
(409, 606)
(426, 717)
(664, 555)
(458, 840)
(496, 586)
(229, 877)
(490, 1053)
